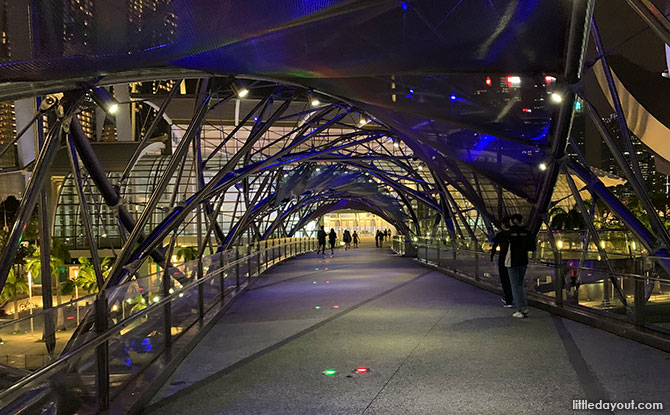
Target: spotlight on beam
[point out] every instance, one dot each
(313, 100)
(556, 98)
(104, 100)
(239, 89)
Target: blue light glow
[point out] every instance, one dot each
(453, 97)
(403, 5)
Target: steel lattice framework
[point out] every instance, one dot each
(409, 128)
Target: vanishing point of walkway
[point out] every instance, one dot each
(433, 345)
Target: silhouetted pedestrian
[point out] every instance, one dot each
(321, 236)
(521, 241)
(346, 237)
(332, 236)
(502, 240)
(355, 239)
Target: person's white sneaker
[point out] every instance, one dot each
(525, 311)
(518, 314)
(505, 304)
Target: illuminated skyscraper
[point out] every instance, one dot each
(7, 113)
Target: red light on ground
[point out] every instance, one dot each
(70, 318)
(327, 281)
(362, 370)
(527, 110)
(488, 81)
(336, 306)
(326, 269)
(549, 79)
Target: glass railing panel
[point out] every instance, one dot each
(135, 346)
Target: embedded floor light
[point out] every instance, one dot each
(104, 100)
(329, 372)
(556, 98)
(543, 166)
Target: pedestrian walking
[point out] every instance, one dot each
(521, 241)
(346, 237)
(321, 237)
(355, 239)
(332, 236)
(501, 240)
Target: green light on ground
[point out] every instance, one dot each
(317, 307)
(313, 282)
(329, 372)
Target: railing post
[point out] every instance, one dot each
(222, 278)
(273, 250)
(237, 267)
(249, 261)
(258, 257)
(201, 291)
(640, 294)
(167, 308)
(102, 353)
(426, 259)
(558, 280)
(476, 264)
(438, 253)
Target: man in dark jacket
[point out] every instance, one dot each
(332, 236)
(521, 241)
(502, 240)
(321, 236)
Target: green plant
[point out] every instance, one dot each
(187, 253)
(562, 220)
(15, 285)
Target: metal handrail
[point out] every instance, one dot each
(41, 311)
(15, 390)
(553, 264)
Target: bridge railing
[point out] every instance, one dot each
(635, 291)
(137, 322)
